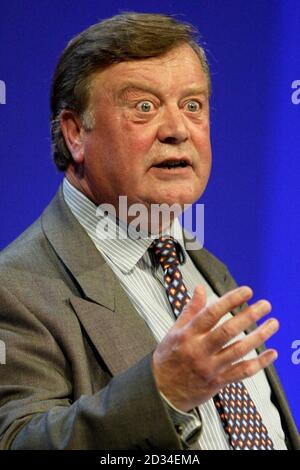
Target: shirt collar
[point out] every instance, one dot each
(123, 251)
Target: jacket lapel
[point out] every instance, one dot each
(91, 275)
(122, 337)
(117, 331)
(214, 273)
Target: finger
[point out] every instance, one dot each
(239, 349)
(245, 369)
(196, 303)
(210, 315)
(220, 336)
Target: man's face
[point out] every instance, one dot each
(149, 114)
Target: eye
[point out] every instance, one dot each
(194, 106)
(145, 106)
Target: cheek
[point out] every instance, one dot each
(201, 140)
(132, 153)
(138, 138)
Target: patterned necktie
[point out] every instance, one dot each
(240, 418)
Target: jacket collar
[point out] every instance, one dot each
(78, 253)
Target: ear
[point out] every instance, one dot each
(71, 128)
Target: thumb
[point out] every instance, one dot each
(197, 302)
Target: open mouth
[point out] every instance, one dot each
(170, 164)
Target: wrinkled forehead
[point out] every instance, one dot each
(178, 69)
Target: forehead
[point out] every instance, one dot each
(176, 70)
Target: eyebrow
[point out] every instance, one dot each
(128, 85)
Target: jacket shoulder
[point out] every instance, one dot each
(23, 247)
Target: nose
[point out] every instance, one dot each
(172, 127)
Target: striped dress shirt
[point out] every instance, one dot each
(130, 261)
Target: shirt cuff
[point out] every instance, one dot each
(188, 425)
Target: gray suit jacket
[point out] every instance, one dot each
(78, 356)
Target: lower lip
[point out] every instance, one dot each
(172, 172)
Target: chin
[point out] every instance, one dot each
(185, 194)
(183, 198)
(169, 201)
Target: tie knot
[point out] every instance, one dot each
(164, 250)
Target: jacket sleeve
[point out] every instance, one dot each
(37, 410)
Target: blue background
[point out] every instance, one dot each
(252, 202)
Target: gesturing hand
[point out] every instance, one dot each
(192, 363)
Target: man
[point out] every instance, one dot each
(124, 343)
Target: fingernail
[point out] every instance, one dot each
(245, 290)
(273, 323)
(275, 354)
